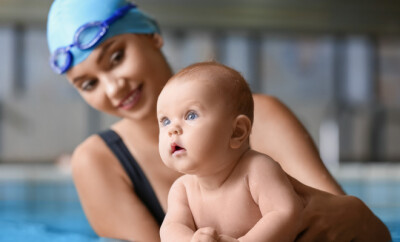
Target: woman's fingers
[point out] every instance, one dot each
(327, 217)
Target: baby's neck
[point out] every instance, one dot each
(217, 179)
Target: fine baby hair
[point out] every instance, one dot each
(231, 84)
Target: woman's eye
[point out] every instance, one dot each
(191, 115)
(116, 57)
(165, 121)
(88, 85)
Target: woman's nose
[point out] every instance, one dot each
(114, 85)
(175, 130)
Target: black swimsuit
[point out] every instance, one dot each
(140, 183)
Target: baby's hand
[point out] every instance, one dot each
(226, 238)
(206, 234)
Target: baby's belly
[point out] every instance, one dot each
(233, 216)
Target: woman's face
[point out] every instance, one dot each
(123, 76)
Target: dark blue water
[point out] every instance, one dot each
(44, 211)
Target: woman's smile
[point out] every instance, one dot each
(131, 99)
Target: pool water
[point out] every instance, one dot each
(50, 211)
(382, 197)
(42, 211)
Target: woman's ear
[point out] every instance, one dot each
(241, 131)
(158, 40)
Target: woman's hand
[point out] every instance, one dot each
(328, 217)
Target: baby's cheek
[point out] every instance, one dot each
(163, 149)
(204, 142)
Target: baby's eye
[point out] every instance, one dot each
(165, 122)
(191, 115)
(88, 85)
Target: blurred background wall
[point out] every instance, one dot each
(336, 64)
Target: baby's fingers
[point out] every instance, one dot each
(226, 238)
(206, 234)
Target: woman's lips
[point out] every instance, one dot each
(131, 99)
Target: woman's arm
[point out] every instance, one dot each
(277, 133)
(107, 196)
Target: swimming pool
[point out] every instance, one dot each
(42, 211)
(43, 208)
(383, 197)
(379, 187)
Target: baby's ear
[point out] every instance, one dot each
(241, 131)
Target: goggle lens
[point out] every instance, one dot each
(89, 34)
(61, 60)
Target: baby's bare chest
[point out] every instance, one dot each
(231, 211)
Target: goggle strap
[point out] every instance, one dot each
(118, 13)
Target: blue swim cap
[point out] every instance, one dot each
(66, 16)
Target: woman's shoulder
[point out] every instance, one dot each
(92, 154)
(267, 103)
(263, 97)
(270, 111)
(90, 147)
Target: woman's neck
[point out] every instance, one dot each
(146, 130)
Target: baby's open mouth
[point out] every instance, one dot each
(175, 148)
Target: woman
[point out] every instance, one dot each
(118, 68)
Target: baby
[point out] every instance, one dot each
(229, 192)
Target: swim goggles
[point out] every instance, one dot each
(85, 37)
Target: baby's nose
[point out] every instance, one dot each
(175, 130)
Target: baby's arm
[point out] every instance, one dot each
(178, 224)
(279, 204)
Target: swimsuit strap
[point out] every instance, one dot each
(140, 183)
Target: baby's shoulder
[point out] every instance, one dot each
(263, 172)
(182, 179)
(257, 162)
(182, 185)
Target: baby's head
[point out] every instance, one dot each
(231, 87)
(205, 113)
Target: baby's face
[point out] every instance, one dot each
(195, 126)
